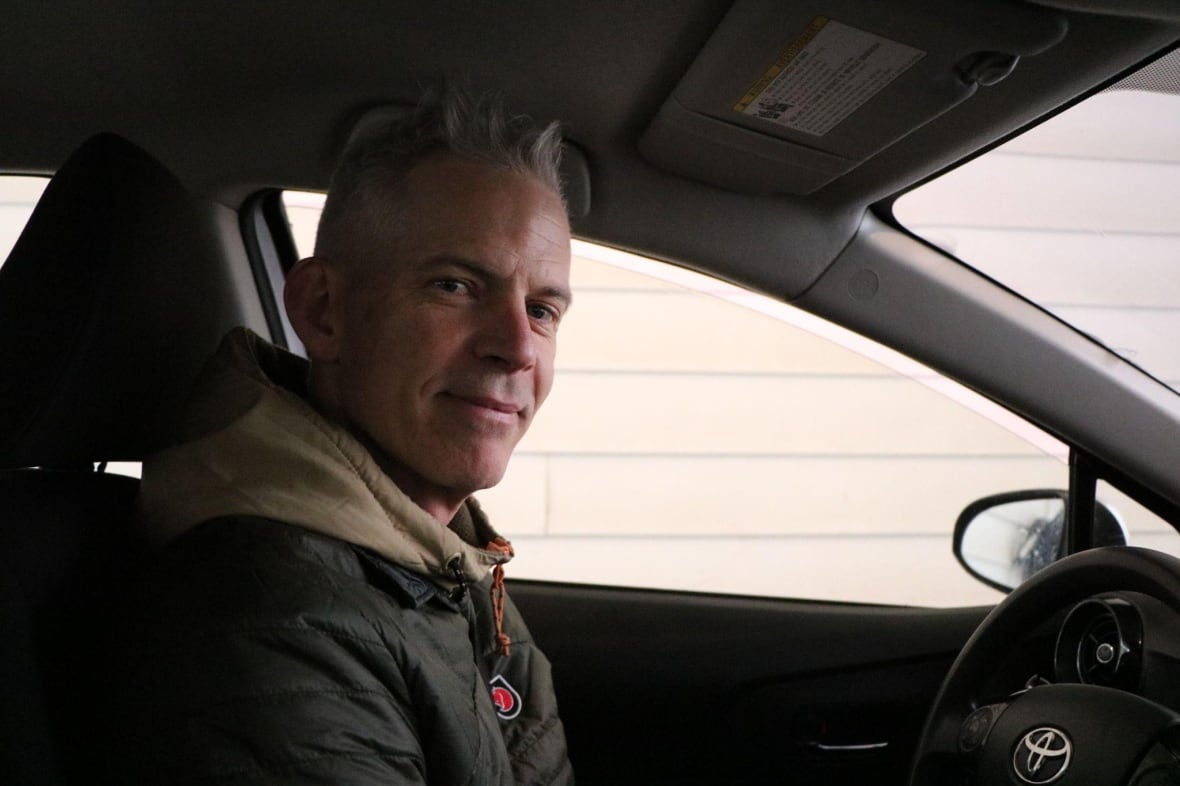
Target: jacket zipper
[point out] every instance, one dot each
(459, 592)
(461, 597)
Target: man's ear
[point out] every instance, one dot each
(312, 296)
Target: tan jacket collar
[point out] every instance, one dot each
(251, 445)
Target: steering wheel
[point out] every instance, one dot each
(1064, 734)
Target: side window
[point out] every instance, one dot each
(18, 197)
(702, 437)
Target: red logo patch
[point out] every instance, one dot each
(505, 697)
(502, 698)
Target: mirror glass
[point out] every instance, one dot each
(1005, 539)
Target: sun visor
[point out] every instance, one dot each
(786, 97)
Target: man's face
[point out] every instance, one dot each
(446, 351)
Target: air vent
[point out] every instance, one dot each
(1100, 644)
(1101, 651)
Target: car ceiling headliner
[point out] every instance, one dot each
(238, 96)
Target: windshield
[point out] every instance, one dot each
(1081, 215)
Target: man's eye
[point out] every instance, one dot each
(451, 286)
(543, 313)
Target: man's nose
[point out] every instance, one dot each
(506, 336)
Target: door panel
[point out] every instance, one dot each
(665, 687)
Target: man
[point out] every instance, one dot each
(328, 605)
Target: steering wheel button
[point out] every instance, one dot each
(977, 726)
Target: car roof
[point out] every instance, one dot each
(237, 97)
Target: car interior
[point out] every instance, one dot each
(170, 132)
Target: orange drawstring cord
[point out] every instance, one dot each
(500, 546)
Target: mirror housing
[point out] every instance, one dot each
(1006, 538)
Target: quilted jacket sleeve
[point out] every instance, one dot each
(290, 704)
(247, 668)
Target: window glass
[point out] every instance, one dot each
(1142, 527)
(303, 212)
(1081, 215)
(18, 197)
(701, 437)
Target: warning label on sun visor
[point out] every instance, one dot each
(825, 75)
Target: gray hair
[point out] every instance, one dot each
(361, 208)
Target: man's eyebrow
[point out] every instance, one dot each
(482, 271)
(559, 293)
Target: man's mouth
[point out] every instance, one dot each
(490, 403)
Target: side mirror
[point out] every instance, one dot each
(1004, 539)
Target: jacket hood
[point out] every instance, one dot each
(250, 445)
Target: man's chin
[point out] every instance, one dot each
(473, 476)
(487, 480)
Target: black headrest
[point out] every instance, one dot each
(110, 300)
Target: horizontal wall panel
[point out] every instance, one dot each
(684, 413)
(589, 274)
(1050, 193)
(685, 331)
(518, 505)
(685, 496)
(776, 496)
(911, 571)
(1060, 269)
(914, 571)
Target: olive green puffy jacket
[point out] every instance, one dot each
(259, 652)
(304, 622)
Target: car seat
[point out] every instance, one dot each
(113, 295)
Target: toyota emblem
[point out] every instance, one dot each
(1042, 756)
